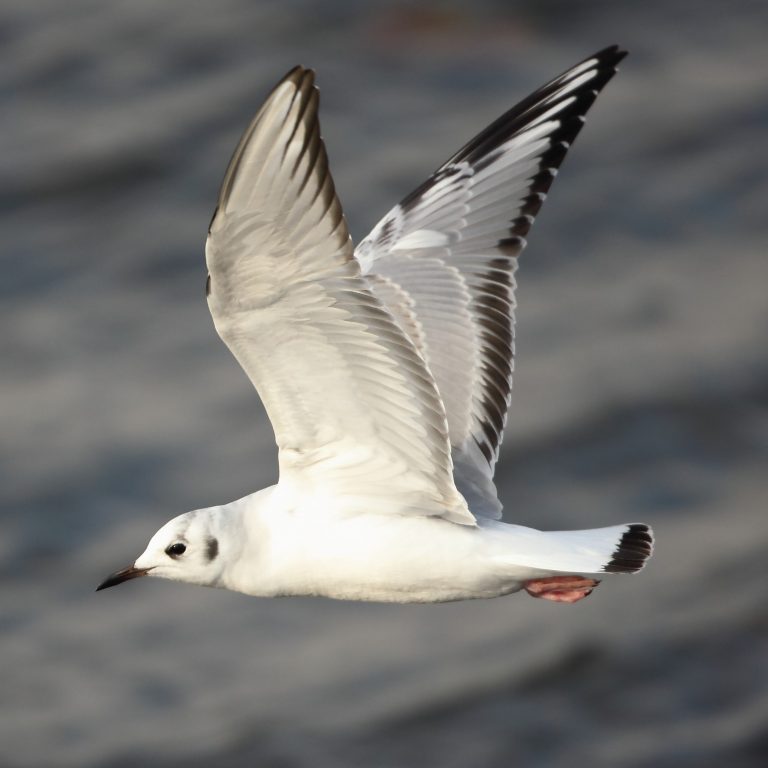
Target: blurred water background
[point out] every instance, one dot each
(640, 392)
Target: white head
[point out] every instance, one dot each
(187, 548)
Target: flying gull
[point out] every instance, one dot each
(386, 370)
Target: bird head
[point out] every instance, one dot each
(186, 548)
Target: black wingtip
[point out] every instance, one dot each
(611, 54)
(633, 551)
(580, 98)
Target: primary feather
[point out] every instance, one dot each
(443, 261)
(355, 411)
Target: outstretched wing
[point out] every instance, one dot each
(443, 261)
(355, 411)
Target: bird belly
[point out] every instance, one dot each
(389, 558)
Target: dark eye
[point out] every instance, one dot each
(176, 549)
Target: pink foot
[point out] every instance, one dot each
(561, 589)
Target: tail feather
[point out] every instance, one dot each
(633, 550)
(616, 549)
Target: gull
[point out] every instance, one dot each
(385, 370)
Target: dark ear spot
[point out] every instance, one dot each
(211, 548)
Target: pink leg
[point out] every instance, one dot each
(561, 589)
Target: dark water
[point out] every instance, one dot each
(640, 393)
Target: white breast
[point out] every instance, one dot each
(303, 550)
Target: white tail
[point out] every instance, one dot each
(617, 549)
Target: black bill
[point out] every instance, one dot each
(118, 577)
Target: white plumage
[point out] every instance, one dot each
(386, 371)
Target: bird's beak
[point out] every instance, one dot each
(118, 577)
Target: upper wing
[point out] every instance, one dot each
(445, 257)
(355, 411)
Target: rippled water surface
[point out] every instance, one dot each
(640, 392)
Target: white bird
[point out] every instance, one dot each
(386, 371)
